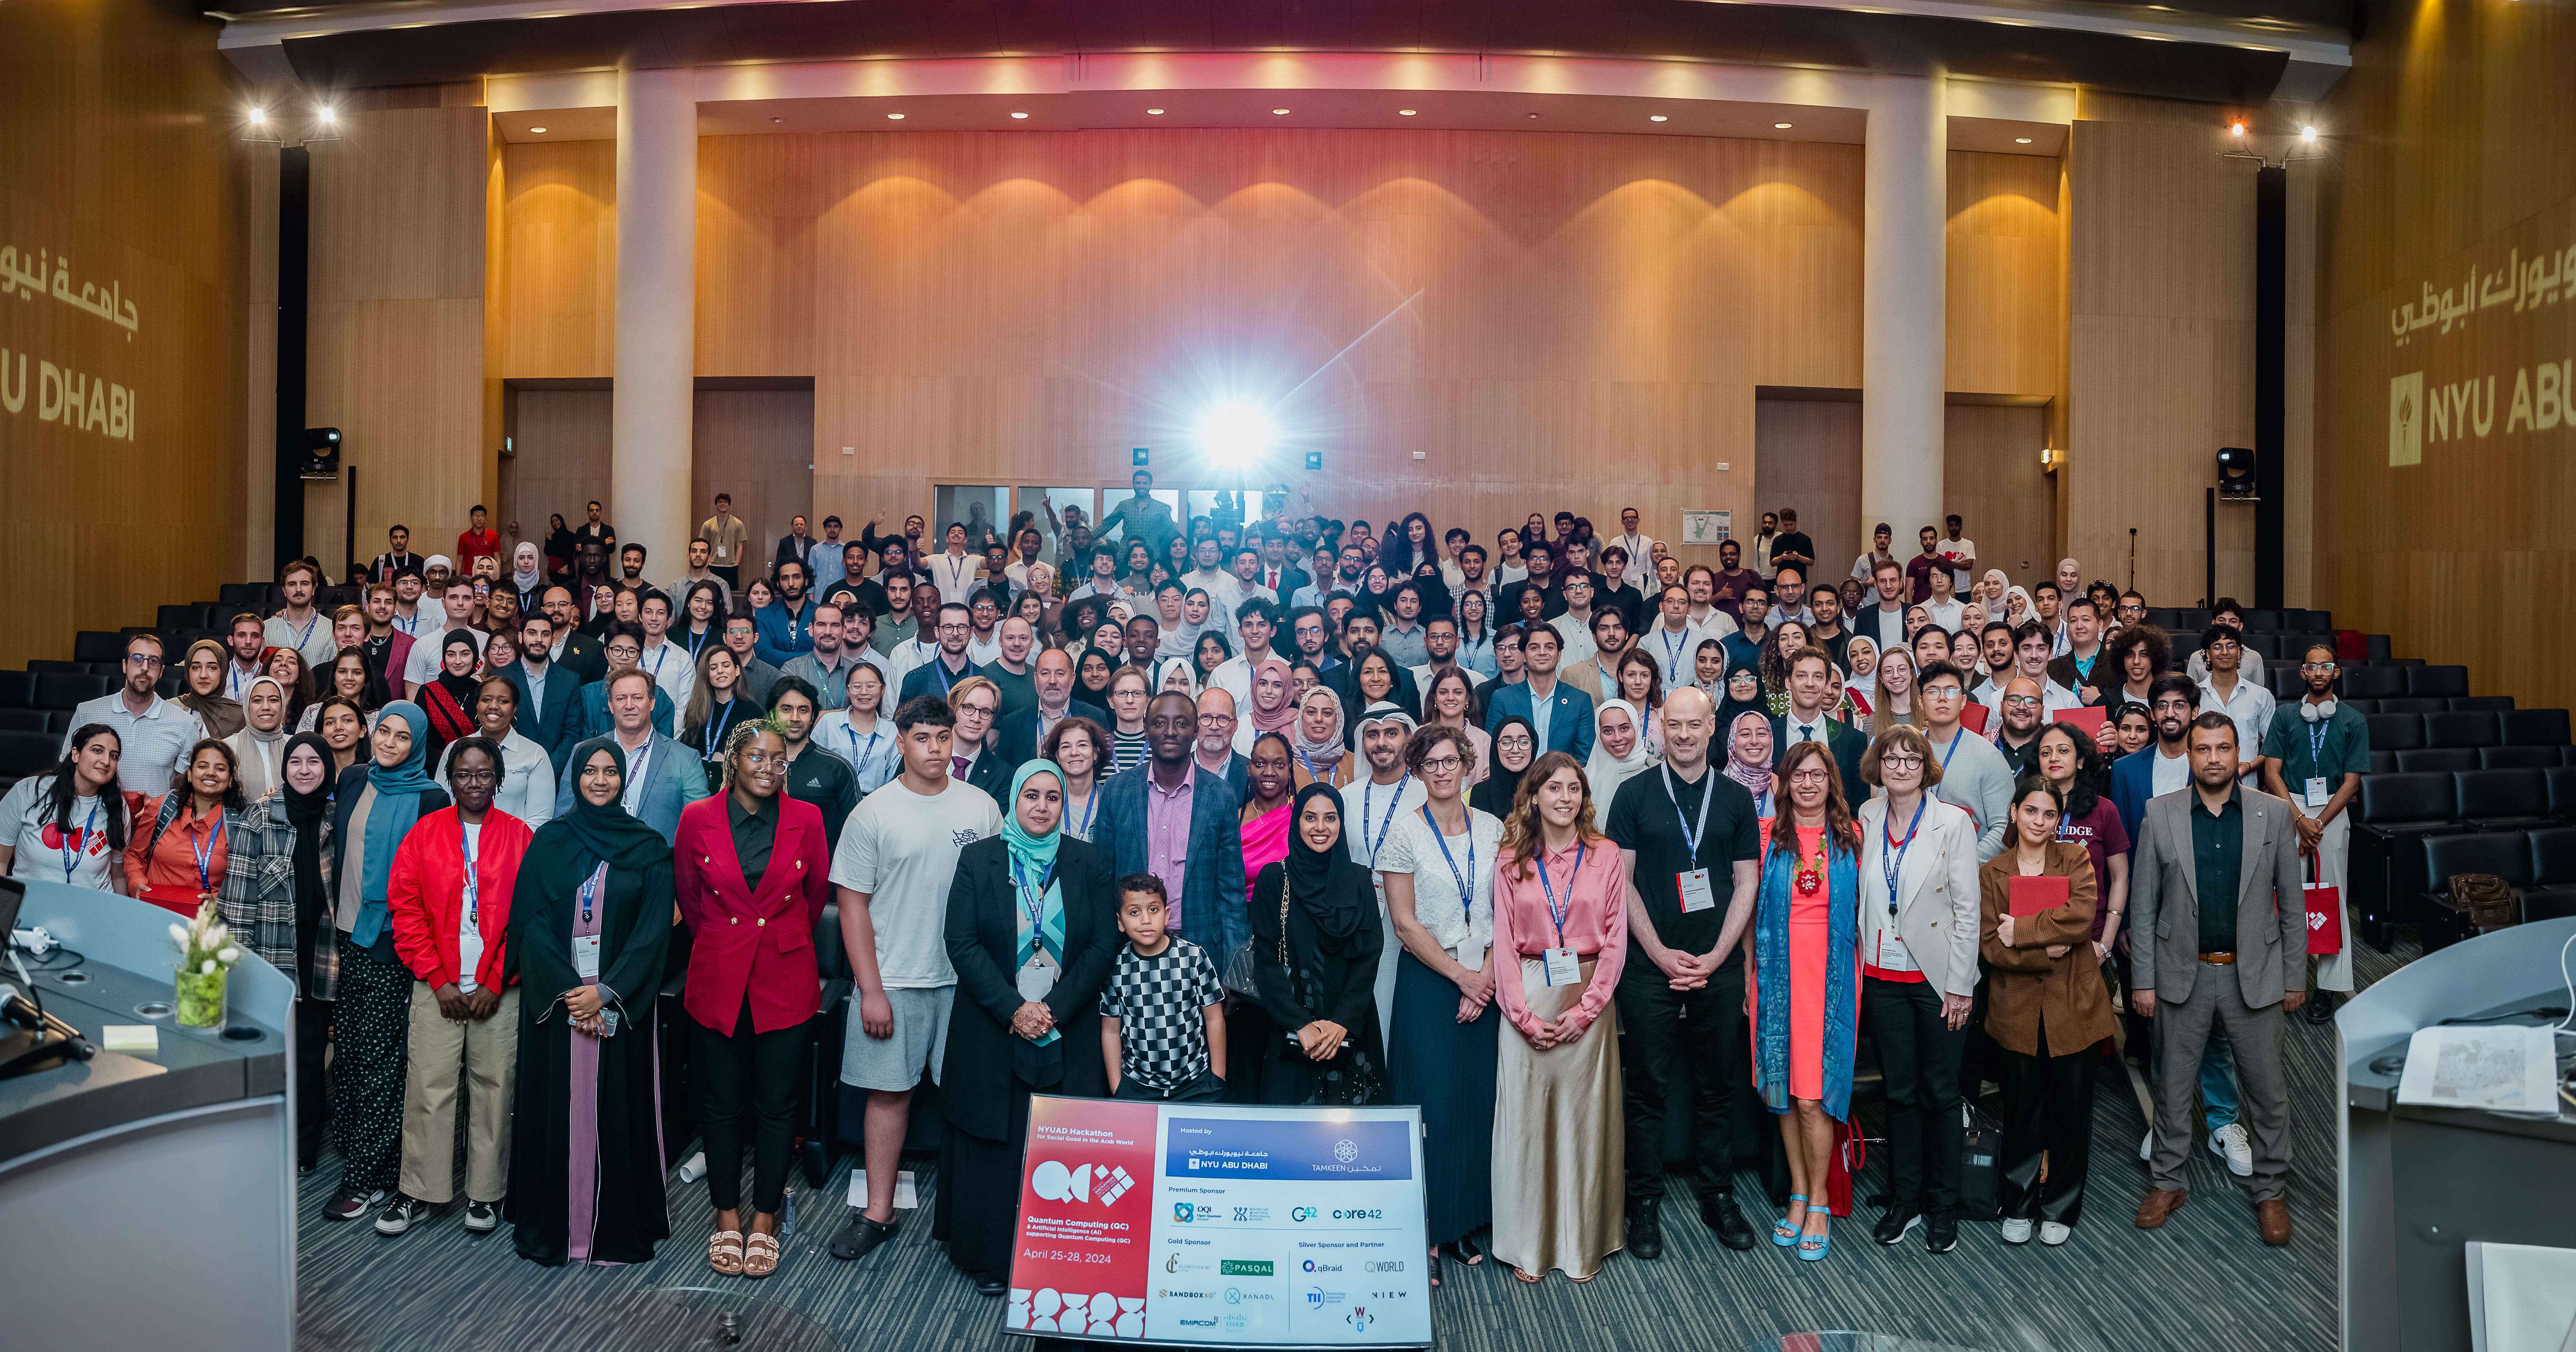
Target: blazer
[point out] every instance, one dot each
(1569, 727)
(591, 717)
(1212, 880)
(554, 726)
(2106, 673)
(1016, 737)
(983, 945)
(2031, 991)
(2164, 901)
(1238, 767)
(584, 657)
(2133, 783)
(753, 944)
(1845, 741)
(1936, 889)
(1881, 629)
(992, 773)
(674, 778)
(425, 894)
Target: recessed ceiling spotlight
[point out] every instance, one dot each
(1779, 126)
(1658, 117)
(536, 131)
(1531, 116)
(259, 117)
(1278, 112)
(2308, 134)
(894, 117)
(2235, 128)
(1153, 112)
(778, 119)
(2021, 140)
(1404, 112)
(1022, 116)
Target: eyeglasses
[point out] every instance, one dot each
(456, 776)
(762, 760)
(1442, 764)
(142, 660)
(2327, 667)
(2021, 701)
(1816, 776)
(1900, 762)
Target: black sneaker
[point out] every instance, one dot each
(986, 1284)
(859, 1234)
(348, 1206)
(1718, 1212)
(1941, 1234)
(2320, 1009)
(400, 1214)
(1894, 1222)
(482, 1217)
(1646, 1228)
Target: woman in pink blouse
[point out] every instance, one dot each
(1560, 933)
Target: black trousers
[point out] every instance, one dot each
(1203, 1087)
(732, 575)
(2048, 1108)
(739, 1073)
(1919, 1055)
(312, 1096)
(1661, 1031)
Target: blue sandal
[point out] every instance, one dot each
(1782, 1232)
(1812, 1248)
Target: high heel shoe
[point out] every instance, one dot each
(1782, 1232)
(1812, 1248)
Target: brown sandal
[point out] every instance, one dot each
(1526, 1276)
(724, 1252)
(761, 1257)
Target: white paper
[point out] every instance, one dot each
(906, 1195)
(585, 956)
(1699, 892)
(2511, 1069)
(2522, 1297)
(1563, 968)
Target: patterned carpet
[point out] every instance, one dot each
(2204, 1282)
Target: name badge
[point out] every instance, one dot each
(469, 955)
(1037, 980)
(1471, 955)
(1563, 968)
(585, 957)
(1698, 893)
(2317, 792)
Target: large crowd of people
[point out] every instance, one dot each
(1528, 831)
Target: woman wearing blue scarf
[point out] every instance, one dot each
(374, 807)
(1032, 932)
(1805, 987)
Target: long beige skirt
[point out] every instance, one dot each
(1560, 1143)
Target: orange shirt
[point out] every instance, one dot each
(167, 874)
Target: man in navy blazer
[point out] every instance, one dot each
(1020, 735)
(548, 691)
(673, 777)
(1210, 887)
(1813, 692)
(2173, 700)
(1568, 727)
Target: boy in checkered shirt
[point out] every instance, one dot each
(1162, 1015)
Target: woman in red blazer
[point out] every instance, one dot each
(753, 873)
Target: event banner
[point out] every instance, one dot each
(1199, 1223)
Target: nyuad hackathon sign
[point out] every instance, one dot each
(2445, 406)
(1169, 1223)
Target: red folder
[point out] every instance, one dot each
(2090, 719)
(1973, 718)
(2030, 896)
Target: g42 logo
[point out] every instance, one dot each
(1303, 1213)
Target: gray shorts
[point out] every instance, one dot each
(919, 1043)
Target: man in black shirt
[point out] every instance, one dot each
(1792, 549)
(1691, 839)
(813, 775)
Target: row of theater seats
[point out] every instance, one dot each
(2396, 875)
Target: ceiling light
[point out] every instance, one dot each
(778, 119)
(894, 117)
(1020, 115)
(1779, 126)
(1531, 116)
(1404, 112)
(1278, 112)
(2021, 140)
(1658, 117)
(1153, 112)
(2308, 134)
(2235, 128)
(536, 131)
(259, 117)
(324, 115)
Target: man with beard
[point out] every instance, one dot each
(2313, 758)
(823, 779)
(579, 654)
(785, 625)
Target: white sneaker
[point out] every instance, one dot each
(2053, 1234)
(2231, 1144)
(2017, 1231)
(2147, 1146)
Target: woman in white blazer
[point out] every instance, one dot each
(1918, 950)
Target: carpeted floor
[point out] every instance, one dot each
(2204, 1282)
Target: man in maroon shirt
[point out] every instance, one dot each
(1732, 577)
(1918, 570)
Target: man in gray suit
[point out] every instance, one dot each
(2220, 938)
(670, 777)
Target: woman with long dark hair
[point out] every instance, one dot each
(178, 863)
(343, 728)
(1315, 946)
(1475, 633)
(1451, 702)
(561, 546)
(1374, 678)
(1804, 985)
(70, 826)
(716, 703)
(2070, 763)
(1406, 545)
(701, 624)
(352, 680)
(286, 666)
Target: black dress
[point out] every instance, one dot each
(989, 1073)
(1334, 981)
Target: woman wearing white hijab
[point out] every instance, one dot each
(259, 749)
(1860, 683)
(528, 576)
(1618, 748)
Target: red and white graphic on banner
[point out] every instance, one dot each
(1086, 1213)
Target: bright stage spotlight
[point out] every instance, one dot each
(1235, 434)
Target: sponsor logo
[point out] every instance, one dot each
(1313, 1266)
(1303, 1213)
(1170, 1293)
(1054, 1181)
(1359, 1214)
(1358, 1319)
(1207, 1323)
(1251, 1213)
(1385, 1265)
(1345, 1150)
(1174, 1264)
(1184, 1212)
(1317, 1297)
(1233, 1296)
(1244, 1267)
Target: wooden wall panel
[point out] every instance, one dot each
(561, 440)
(1808, 457)
(119, 169)
(2004, 334)
(758, 206)
(757, 445)
(559, 278)
(2455, 161)
(397, 323)
(1991, 476)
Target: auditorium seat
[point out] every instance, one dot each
(2262, 621)
(42, 665)
(2513, 757)
(2382, 762)
(2374, 682)
(58, 723)
(2460, 730)
(2561, 793)
(94, 645)
(172, 619)
(2553, 856)
(67, 689)
(2533, 727)
(2396, 814)
(2408, 704)
(2364, 707)
(2507, 855)
(2375, 647)
(2442, 681)
(2503, 800)
(17, 689)
(245, 596)
(2472, 704)
(25, 753)
(2436, 759)
(2396, 732)
(172, 681)
(22, 720)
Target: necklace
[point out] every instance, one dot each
(1811, 871)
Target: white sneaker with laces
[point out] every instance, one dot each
(2017, 1231)
(2053, 1234)
(2231, 1144)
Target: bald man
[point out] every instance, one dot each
(1215, 749)
(1021, 734)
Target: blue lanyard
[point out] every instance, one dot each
(1368, 795)
(2317, 734)
(693, 642)
(1090, 806)
(1892, 859)
(1555, 912)
(1691, 834)
(1672, 650)
(590, 889)
(73, 849)
(946, 681)
(1956, 737)
(1033, 899)
(858, 755)
(473, 884)
(715, 734)
(205, 855)
(1466, 893)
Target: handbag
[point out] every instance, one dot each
(1980, 1179)
(2325, 912)
(2484, 900)
(1851, 1156)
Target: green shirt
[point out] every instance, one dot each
(2217, 857)
(2337, 747)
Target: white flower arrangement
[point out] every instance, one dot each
(205, 944)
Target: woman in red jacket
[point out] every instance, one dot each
(753, 873)
(448, 900)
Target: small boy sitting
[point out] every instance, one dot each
(1162, 1015)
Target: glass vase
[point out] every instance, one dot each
(198, 1000)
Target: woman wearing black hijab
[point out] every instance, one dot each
(449, 698)
(1315, 944)
(1515, 746)
(301, 805)
(590, 922)
(1740, 691)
